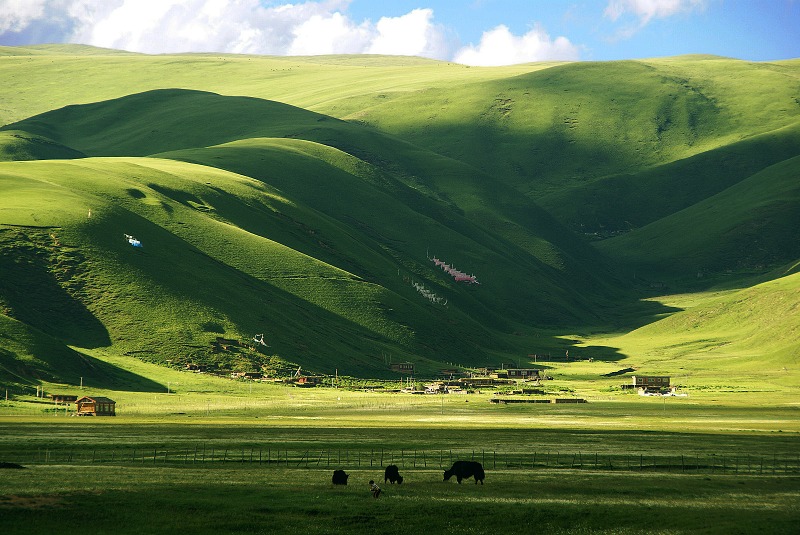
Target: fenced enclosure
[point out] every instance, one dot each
(202, 455)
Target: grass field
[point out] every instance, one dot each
(258, 459)
(277, 500)
(207, 454)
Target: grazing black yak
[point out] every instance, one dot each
(464, 470)
(340, 477)
(392, 475)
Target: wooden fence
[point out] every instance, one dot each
(203, 455)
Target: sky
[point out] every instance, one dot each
(472, 32)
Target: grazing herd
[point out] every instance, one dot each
(460, 469)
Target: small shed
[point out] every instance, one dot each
(60, 399)
(96, 406)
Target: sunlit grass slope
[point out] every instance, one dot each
(226, 255)
(568, 125)
(408, 200)
(325, 84)
(197, 276)
(745, 339)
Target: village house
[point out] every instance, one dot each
(60, 399)
(95, 406)
(308, 380)
(520, 374)
(650, 382)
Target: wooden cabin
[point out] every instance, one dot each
(309, 380)
(95, 406)
(60, 399)
(524, 374)
(651, 382)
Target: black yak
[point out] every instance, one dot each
(392, 475)
(340, 477)
(464, 470)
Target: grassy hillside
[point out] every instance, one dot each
(251, 250)
(17, 146)
(735, 340)
(748, 226)
(405, 183)
(303, 198)
(568, 125)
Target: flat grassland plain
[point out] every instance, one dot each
(221, 456)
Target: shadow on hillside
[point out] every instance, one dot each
(100, 374)
(36, 272)
(164, 120)
(59, 364)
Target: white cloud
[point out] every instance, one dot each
(413, 34)
(646, 10)
(239, 26)
(15, 15)
(329, 34)
(500, 47)
(258, 27)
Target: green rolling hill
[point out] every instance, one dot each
(303, 198)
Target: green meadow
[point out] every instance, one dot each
(621, 218)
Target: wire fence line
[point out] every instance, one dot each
(202, 455)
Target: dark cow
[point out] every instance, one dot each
(392, 475)
(464, 470)
(340, 477)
